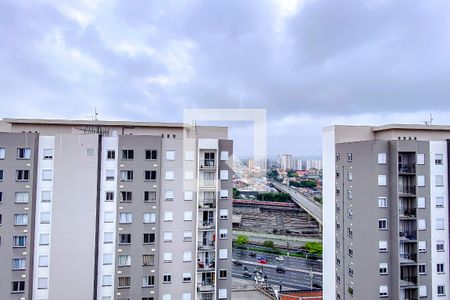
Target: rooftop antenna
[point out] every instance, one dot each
(95, 114)
(430, 121)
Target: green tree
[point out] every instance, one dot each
(236, 193)
(241, 240)
(314, 247)
(269, 244)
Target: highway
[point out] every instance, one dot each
(298, 271)
(313, 208)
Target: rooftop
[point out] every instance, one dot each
(92, 122)
(410, 127)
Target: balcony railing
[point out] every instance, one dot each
(206, 245)
(408, 281)
(207, 203)
(207, 183)
(407, 168)
(410, 212)
(206, 265)
(204, 286)
(407, 190)
(408, 257)
(407, 235)
(207, 163)
(208, 224)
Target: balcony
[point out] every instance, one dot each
(206, 265)
(207, 224)
(206, 245)
(408, 258)
(408, 281)
(205, 286)
(206, 296)
(207, 183)
(407, 190)
(407, 236)
(408, 213)
(207, 164)
(406, 169)
(207, 203)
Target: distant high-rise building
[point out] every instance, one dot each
(286, 161)
(308, 164)
(386, 212)
(114, 210)
(298, 164)
(250, 164)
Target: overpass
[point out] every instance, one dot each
(313, 208)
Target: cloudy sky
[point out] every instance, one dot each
(310, 63)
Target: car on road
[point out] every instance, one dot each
(247, 274)
(252, 254)
(262, 261)
(237, 263)
(280, 270)
(279, 258)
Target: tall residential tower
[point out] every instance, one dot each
(386, 231)
(114, 210)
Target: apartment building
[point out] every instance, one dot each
(386, 231)
(114, 210)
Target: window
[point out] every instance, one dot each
(19, 241)
(382, 224)
(439, 201)
(22, 197)
(23, 175)
(187, 277)
(187, 235)
(422, 291)
(186, 296)
(149, 238)
(187, 256)
(438, 158)
(106, 280)
(109, 196)
(126, 175)
(108, 217)
(43, 261)
(167, 297)
(188, 195)
(170, 155)
(441, 290)
(440, 268)
(125, 238)
(90, 152)
(148, 281)
(2, 153)
(350, 213)
(349, 194)
(23, 153)
(107, 258)
(223, 194)
(111, 154)
(125, 218)
(150, 175)
(349, 176)
(422, 246)
(47, 175)
(223, 253)
(383, 267)
(45, 217)
(151, 154)
(168, 195)
(110, 174)
(350, 252)
(149, 218)
(421, 202)
(42, 283)
(349, 157)
(382, 180)
(223, 174)
(150, 196)
(126, 196)
(170, 175)
(439, 180)
(189, 155)
(224, 155)
(422, 224)
(20, 219)
(18, 263)
(381, 158)
(107, 237)
(127, 154)
(1, 175)
(44, 239)
(148, 260)
(440, 246)
(383, 246)
(124, 260)
(422, 269)
(223, 293)
(223, 274)
(420, 159)
(124, 282)
(223, 213)
(383, 290)
(167, 257)
(1, 196)
(382, 202)
(188, 215)
(168, 216)
(440, 224)
(167, 236)
(47, 153)
(223, 234)
(18, 287)
(421, 180)
(350, 271)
